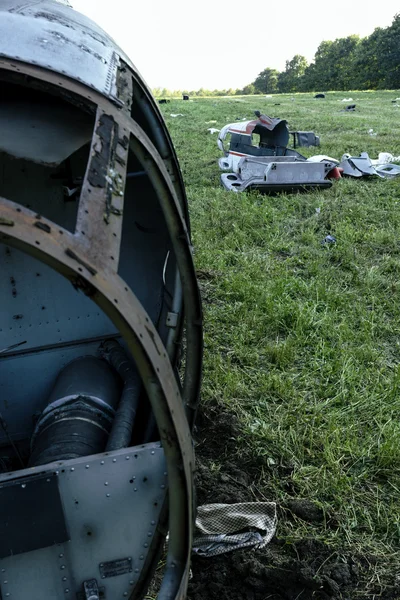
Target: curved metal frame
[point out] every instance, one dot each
(90, 261)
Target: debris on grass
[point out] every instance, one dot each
(329, 239)
(361, 166)
(268, 164)
(222, 528)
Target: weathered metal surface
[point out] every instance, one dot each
(89, 254)
(102, 496)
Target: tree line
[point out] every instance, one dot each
(350, 63)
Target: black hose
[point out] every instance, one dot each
(122, 427)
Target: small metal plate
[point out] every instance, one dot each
(32, 515)
(115, 568)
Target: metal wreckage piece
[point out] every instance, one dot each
(269, 166)
(96, 460)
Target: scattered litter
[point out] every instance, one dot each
(210, 122)
(270, 166)
(372, 132)
(388, 170)
(213, 130)
(268, 96)
(361, 166)
(163, 101)
(347, 100)
(185, 97)
(178, 115)
(319, 96)
(277, 104)
(305, 139)
(321, 157)
(318, 210)
(384, 158)
(258, 158)
(222, 528)
(330, 239)
(350, 107)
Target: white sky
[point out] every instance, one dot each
(182, 44)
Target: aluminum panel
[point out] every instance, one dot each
(102, 496)
(51, 41)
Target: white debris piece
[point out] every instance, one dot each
(321, 157)
(178, 115)
(213, 130)
(385, 158)
(347, 100)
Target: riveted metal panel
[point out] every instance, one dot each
(59, 39)
(102, 496)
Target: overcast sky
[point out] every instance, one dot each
(187, 44)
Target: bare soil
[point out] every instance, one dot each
(305, 570)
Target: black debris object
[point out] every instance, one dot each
(350, 107)
(163, 101)
(185, 97)
(319, 96)
(330, 239)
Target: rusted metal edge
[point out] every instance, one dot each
(118, 302)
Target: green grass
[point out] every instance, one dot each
(302, 341)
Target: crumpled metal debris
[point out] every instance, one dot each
(222, 528)
(269, 166)
(362, 166)
(329, 239)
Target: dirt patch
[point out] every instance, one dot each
(305, 570)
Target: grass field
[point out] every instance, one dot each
(302, 340)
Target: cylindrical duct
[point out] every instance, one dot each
(79, 414)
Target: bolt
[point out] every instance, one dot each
(108, 495)
(131, 583)
(114, 460)
(152, 452)
(23, 485)
(102, 462)
(126, 457)
(87, 466)
(106, 483)
(62, 567)
(61, 555)
(64, 579)
(72, 469)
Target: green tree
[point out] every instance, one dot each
(334, 64)
(266, 82)
(290, 79)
